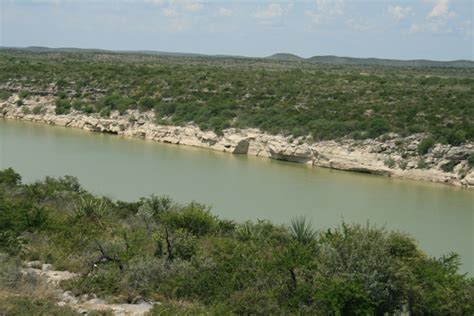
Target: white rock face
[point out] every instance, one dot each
(383, 157)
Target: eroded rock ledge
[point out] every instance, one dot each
(390, 156)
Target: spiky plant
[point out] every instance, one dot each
(248, 231)
(302, 230)
(91, 208)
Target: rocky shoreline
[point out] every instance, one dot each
(389, 155)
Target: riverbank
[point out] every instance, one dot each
(389, 155)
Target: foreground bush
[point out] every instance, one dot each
(195, 263)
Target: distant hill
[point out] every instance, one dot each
(336, 60)
(41, 49)
(285, 56)
(329, 59)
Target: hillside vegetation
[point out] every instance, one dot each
(196, 263)
(320, 101)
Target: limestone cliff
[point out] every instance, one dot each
(390, 155)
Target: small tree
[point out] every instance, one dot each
(9, 177)
(425, 145)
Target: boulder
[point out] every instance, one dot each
(469, 179)
(242, 147)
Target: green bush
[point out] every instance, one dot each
(470, 159)
(194, 218)
(105, 112)
(88, 109)
(422, 164)
(9, 177)
(390, 162)
(37, 109)
(403, 164)
(4, 95)
(457, 138)
(377, 127)
(63, 106)
(24, 305)
(449, 166)
(425, 145)
(23, 94)
(147, 104)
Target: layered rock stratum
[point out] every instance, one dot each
(389, 155)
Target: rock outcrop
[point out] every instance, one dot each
(84, 304)
(390, 155)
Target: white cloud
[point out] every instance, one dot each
(439, 26)
(399, 12)
(437, 20)
(180, 24)
(326, 10)
(416, 28)
(179, 12)
(191, 5)
(273, 10)
(224, 12)
(169, 12)
(178, 5)
(157, 2)
(441, 9)
(361, 26)
(467, 29)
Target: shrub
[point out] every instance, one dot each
(425, 145)
(181, 309)
(147, 104)
(62, 106)
(470, 159)
(457, 138)
(389, 162)
(165, 108)
(377, 127)
(23, 94)
(105, 112)
(449, 166)
(403, 164)
(24, 305)
(10, 177)
(422, 164)
(37, 109)
(194, 218)
(154, 207)
(252, 301)
(4, 95)
(343, 297)
(88, 109)
(77, 105)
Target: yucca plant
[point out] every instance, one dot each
(302, 230)
(248, 231)
(92, 208)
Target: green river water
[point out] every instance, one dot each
(441, 218)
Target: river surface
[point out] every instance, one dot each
(439, 217)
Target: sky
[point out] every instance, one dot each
(428, 29)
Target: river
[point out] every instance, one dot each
(439, 217)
